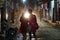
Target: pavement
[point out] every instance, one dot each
(48, 32)
(57, 23)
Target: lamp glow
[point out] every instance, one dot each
(24, 1)
(6, 15)
(26, 15)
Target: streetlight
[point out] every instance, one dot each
(6, 15)
(24, 1)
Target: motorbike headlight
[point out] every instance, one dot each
(12, 33)
(26, 15)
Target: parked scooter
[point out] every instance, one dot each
(11, 34)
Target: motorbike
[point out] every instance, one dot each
(11, 34)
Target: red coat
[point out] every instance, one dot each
(24, 24)
(33, 23)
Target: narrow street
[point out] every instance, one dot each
(17, 17)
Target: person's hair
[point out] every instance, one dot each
(30, 10)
